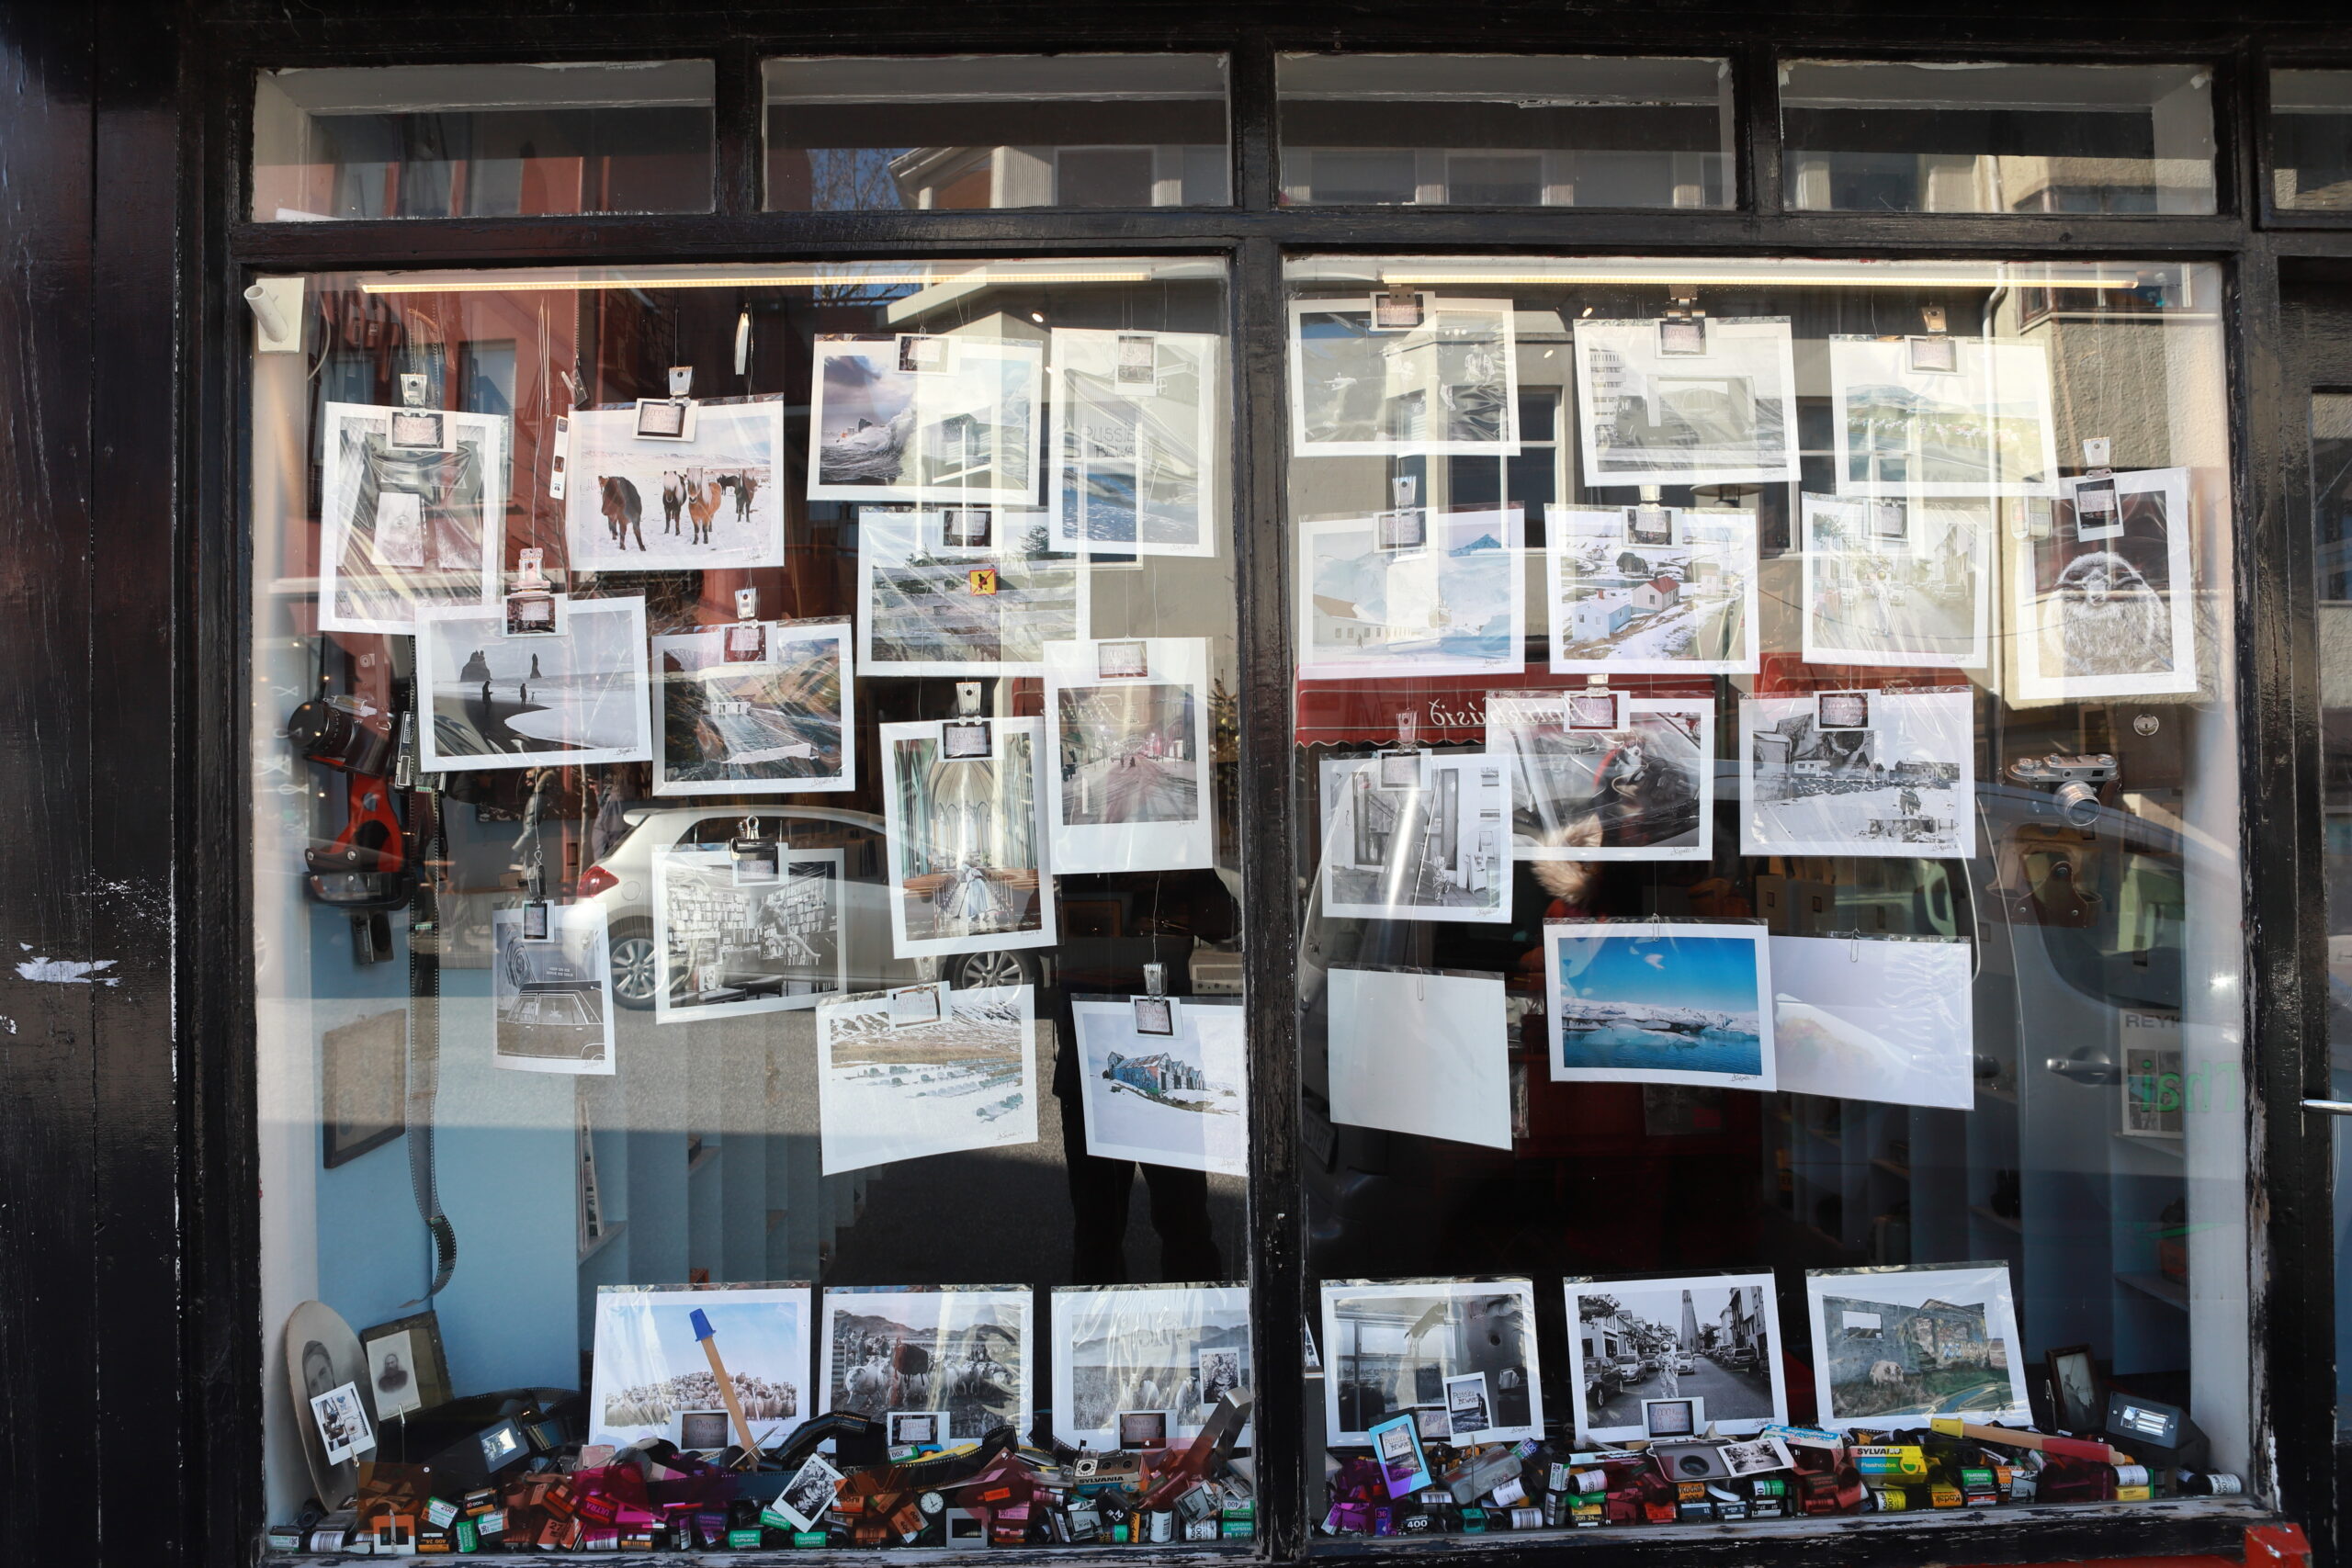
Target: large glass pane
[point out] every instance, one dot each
(1504, 131)
(746, 918)
(2310, 140)
(997, 130)
(1873, 136)
(2331, 415)
(1766, 771)
(481, 140)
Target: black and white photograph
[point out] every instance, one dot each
(1895, 1346)
(566, 700)
(1173, 1350)
(1757, 1456)
(1134, 454)
(782, 723)
(1449, 386)
(1646, 791)
(1455, 608)
(1176, 1100)
(1915, 596)
(966, 841)
(730, 946)
(1984, 429)
(552, 1001)
(963, 1351)
(1680, 602)
(1662, 407)
(1438, 849)
(714, 501)
(1128, 787)
(343, 1423)
(1467, 1410)
(1389, 1347)
(1887, 1020)
(809, 1492)
(935, 609)
(400, 528)
(891, 1090)
(2106, 610)
(407, 1367)
(1419, 1052)
(650, 1370)
(1714, 1337)
(963, 433)
(1903, 787)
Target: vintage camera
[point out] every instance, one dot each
(2077, 784)
(347, 733)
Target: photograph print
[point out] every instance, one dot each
(552, 1001)
(782, 725)
(1726, 415)
(1175, 1100)
(1134, 454)
(1457, 606)
(888, 1091)
(1128, 788)
(1447, 386)
(934, 608)
(1684, 603)
(1913, 591)
(961, 1350)
(650, 1367)
(1895, 1346)
(1422, 1053)
(1887, 1020)
(565, 699)
(2104, 603)
(401, 528)
(1712, 1336)
(1904, 786)
(1645, 791)
(1389, 1346)
(967, 841)
(960, 433)
(1663, 1001)
(1124, 1349)
(1982, 429)
(1426, 840)
(714, 502)
(728, 949)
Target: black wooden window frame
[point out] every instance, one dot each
(222, 250)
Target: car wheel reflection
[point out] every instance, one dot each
(634, 972)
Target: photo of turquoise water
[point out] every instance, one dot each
(1683, 1004)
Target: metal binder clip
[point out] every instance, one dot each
(538, 923)
(744, 341)
(671, 418)
(1155, 1009)
(1595, 707)
(413, 389)
(1650, 523)
(1682, 331)
(754, 854)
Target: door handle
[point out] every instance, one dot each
(2329, 1106)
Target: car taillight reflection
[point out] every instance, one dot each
(594, 880)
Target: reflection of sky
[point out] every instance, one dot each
(861, 386)
(761, 1338)
(1711, 971)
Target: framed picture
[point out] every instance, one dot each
(932, 609)
(1893, 1347)
(968, 840)
(1165, 1098)
(1437, 850)
(1128, 787)
(566, 700)
(1457, 608)
(1907, 430)
(785, 723)
(1918, 596)
(1420, 1053)
(1682, 603)
(407, 1368)
(1709, 400)
(1679, 1002)
(2077, 1396)
(1135, 459)
(1890, 774)
(651, 1372)
(402, 526)
(2108, 611)
(363, 1085)
(730, 944)
(552, 1001)
(1448, 386)
(671, 485)
(962, 1350)
(962, 434)
(1641, 789)
(1389, 1346)
(1166, 1351)
(1636, 1343)
(892, 1088)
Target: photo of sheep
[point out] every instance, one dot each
(650, 1365)
(962, 1350)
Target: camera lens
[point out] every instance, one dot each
(2077, 803)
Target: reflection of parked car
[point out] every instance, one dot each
(555, 1019)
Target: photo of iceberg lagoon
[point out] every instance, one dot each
(1657, 1001)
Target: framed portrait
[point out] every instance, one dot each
(363, 1088)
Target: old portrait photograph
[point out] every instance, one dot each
(1658, 591)
(1906, 583)
(961, 432)
(962, 1350)
(650, 1369)
(1662, 1001)
(809, 1493)
(730, 947)
(888, 1091)
(1904, 786)
(567, 699)
(1134, 448)
(1122, 1350)
(2104, 601)
(1904, 430)
(715, 502)
(552, 1001)
(1448, 386)
(1389, 1346)
(1893, 1347)
(1428, 840)
(1165, 1098)
(783, 723)
(1456, 607)
(401, 528)
(1882, 1019)
(1128, 788)
(1712, 1336)
(1654, 413)
(933, 608)
(1419, 1052)
(968, 840)
(1645, 792)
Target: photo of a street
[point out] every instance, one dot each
(1675, 1340)
(1126, 754)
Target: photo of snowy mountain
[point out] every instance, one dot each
(1658, 1002)
(1686, 605)
(1165, 1099)
(1456, 607)
(891, 1091)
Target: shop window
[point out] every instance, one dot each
(1504, 131)
(481, 140)
(1089, 131)
(2310, 141)
(1873, 136)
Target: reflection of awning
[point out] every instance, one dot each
(1446, 710)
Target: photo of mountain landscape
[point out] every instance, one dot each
(781, 724)
(1456, 607)
(1681, 1002)
(1685, 607)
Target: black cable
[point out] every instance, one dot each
(425, 1037)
